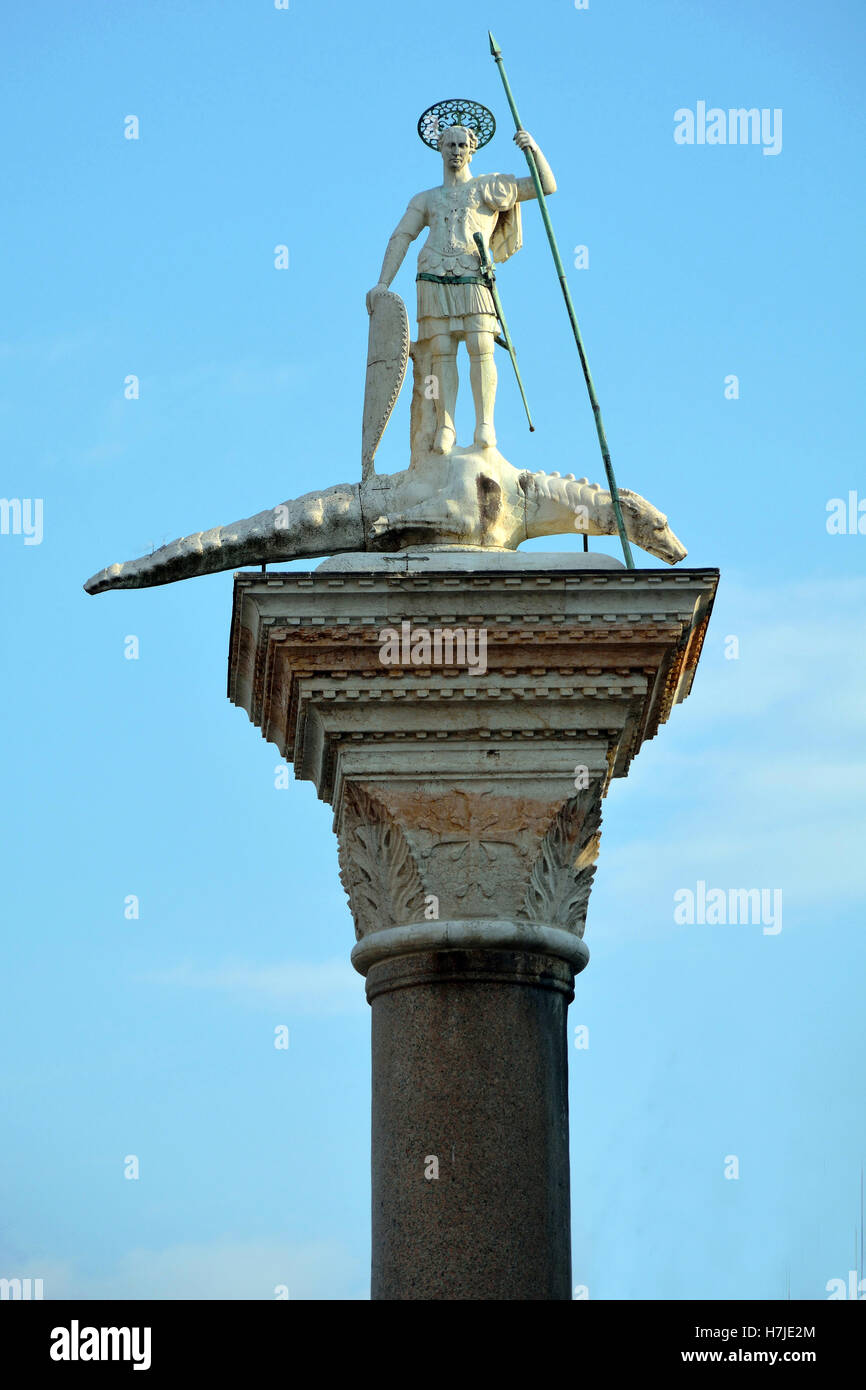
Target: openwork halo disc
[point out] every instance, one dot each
(456, 111)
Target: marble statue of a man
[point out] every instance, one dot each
(453, 302)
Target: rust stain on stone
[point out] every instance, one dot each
(474, 814)
(489, 500)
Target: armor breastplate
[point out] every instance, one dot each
(456, 213)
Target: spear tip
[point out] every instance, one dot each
(494, 46)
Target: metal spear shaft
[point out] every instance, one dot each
(489, 275)
(569, 304)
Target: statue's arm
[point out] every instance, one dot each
(411, 224)
(526, 187)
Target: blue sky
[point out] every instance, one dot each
(155, 257)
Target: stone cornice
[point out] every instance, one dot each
(553, 639)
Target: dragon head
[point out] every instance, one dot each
(648, 528)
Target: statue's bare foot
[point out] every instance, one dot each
(485, 436)
(445, 440)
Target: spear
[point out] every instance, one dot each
(569, 304)
(489, 275)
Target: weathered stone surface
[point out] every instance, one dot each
(470, 1070)
(467, 497)
(387, 360)
(431, 559)
(580, 661)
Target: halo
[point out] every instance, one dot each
(456, 111)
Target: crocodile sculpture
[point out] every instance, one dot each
(468, 497)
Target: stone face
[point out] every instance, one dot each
(467, 804)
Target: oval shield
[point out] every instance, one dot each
(387, 359)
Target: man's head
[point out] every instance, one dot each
(458, 144)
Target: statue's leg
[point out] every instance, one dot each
(422, 423)
(443, 360)
(482, 374)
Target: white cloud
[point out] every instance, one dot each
(218, 1270)
(323, 988)
(802, 654)
(48, 350)
(759, 779)
(245, 378)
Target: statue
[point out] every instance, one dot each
(454, 302)
(449, 495)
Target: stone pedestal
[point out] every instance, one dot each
(467, 804)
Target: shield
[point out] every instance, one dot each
(387, 359)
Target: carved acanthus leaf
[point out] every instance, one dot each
(377, 869)
(561, 877)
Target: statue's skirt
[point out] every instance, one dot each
(454, 309)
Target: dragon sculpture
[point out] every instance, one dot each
(465, 498)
